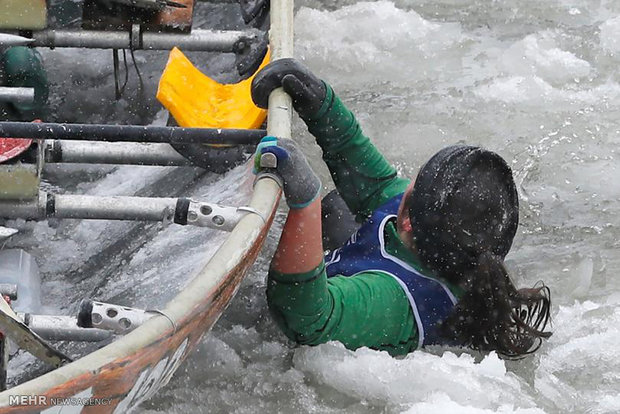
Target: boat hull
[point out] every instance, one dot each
(120, 376)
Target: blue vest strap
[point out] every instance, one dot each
(431, 301)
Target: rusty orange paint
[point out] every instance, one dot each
(97, 16)
(175, 17)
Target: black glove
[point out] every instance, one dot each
(307, 91)
(300, 184)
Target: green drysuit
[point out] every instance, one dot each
(370, 309)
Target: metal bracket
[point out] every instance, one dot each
(218, 217)
(62, 328)
(114, 318)
(252, 210)
(165, 315)
(213, 216)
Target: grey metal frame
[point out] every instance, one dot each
(16, 94)
(241, 241)
(197, 40)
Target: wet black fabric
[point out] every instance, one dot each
(306, 90)
(338, 223)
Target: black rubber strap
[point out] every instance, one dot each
(180, 211)
(85, 315)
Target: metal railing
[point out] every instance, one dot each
(125, 369)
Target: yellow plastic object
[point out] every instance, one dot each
(197, 101)
(23, 14)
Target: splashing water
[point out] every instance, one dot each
(534, 81)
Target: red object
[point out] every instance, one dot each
(12, 147)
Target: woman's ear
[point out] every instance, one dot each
(405, 223)
(405, 230)
(404, 227)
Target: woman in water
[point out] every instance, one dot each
(426, 265)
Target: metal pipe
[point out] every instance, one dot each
(131, 133)
(9, 40)
(181, 211)
(114, 208)
(26, 209)
(280, 115)
(197, 40)
(62, 328)
(200, 40)
(90, 207)
(92, 39)
(58, 151)
(16, 94)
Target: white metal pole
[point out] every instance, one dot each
(135, 153)
(279, 121)
(197, 40)
(16, 94)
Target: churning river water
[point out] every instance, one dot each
(536, 81)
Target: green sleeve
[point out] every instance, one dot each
(369, 309)
(363, 177)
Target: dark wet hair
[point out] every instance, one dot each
(464, 212)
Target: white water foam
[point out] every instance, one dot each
(535, 81)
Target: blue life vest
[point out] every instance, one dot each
(431, 301)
